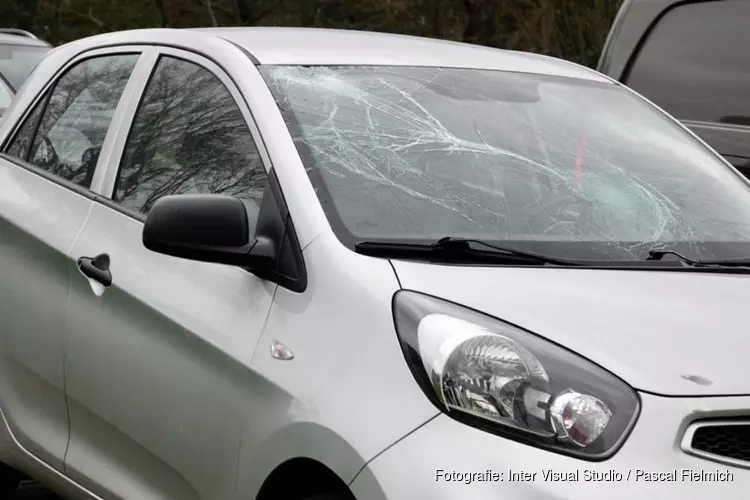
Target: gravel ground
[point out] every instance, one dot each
(31, 490)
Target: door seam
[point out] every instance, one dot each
(80, 230)
(66, 336)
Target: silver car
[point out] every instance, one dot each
(20, 51)
(301, 264)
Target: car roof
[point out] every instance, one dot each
(318, 46)
(6, 39)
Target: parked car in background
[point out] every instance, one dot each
(300, 264)
(692, 60)
(20, 51)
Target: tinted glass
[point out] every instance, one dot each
(77, 116)
(21, 143)
(695, 62)
(562, 166)
(17, 62)
(188, 136)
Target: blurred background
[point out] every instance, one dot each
(571, 29)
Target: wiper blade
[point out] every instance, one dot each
(461, 249)
(660, 254)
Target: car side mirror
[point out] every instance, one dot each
(206, 227)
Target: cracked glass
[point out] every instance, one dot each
(569, 167)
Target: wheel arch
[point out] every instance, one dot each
(301, 457)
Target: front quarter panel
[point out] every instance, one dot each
(347, 395)
(447, 460)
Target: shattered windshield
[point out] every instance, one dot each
(569, 167)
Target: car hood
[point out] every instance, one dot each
(670, 333)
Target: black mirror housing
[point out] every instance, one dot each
(206, 227)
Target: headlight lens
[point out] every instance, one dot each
(500, 378)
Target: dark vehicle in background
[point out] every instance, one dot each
(20, 51)
(692, 59)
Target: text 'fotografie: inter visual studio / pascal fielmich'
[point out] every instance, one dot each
(587, 475)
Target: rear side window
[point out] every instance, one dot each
(65, 132)
(695, 62)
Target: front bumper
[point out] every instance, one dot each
(649, 465)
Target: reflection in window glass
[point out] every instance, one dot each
(77, 116)
(695, 63)
(188, 136)
(20, 145)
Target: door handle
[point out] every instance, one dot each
(96, 268)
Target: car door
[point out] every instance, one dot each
(156, 368)
(46, 171)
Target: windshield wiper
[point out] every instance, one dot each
(458, 249)
(660, 254)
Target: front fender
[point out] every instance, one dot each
(298, 440)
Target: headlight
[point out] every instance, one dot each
(508, 381)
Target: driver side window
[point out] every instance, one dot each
(66, 138)
(188, 136)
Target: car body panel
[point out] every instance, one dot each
(633, 323)
(316, 46)
(163, 414)
(352, 357)
(39, 222)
